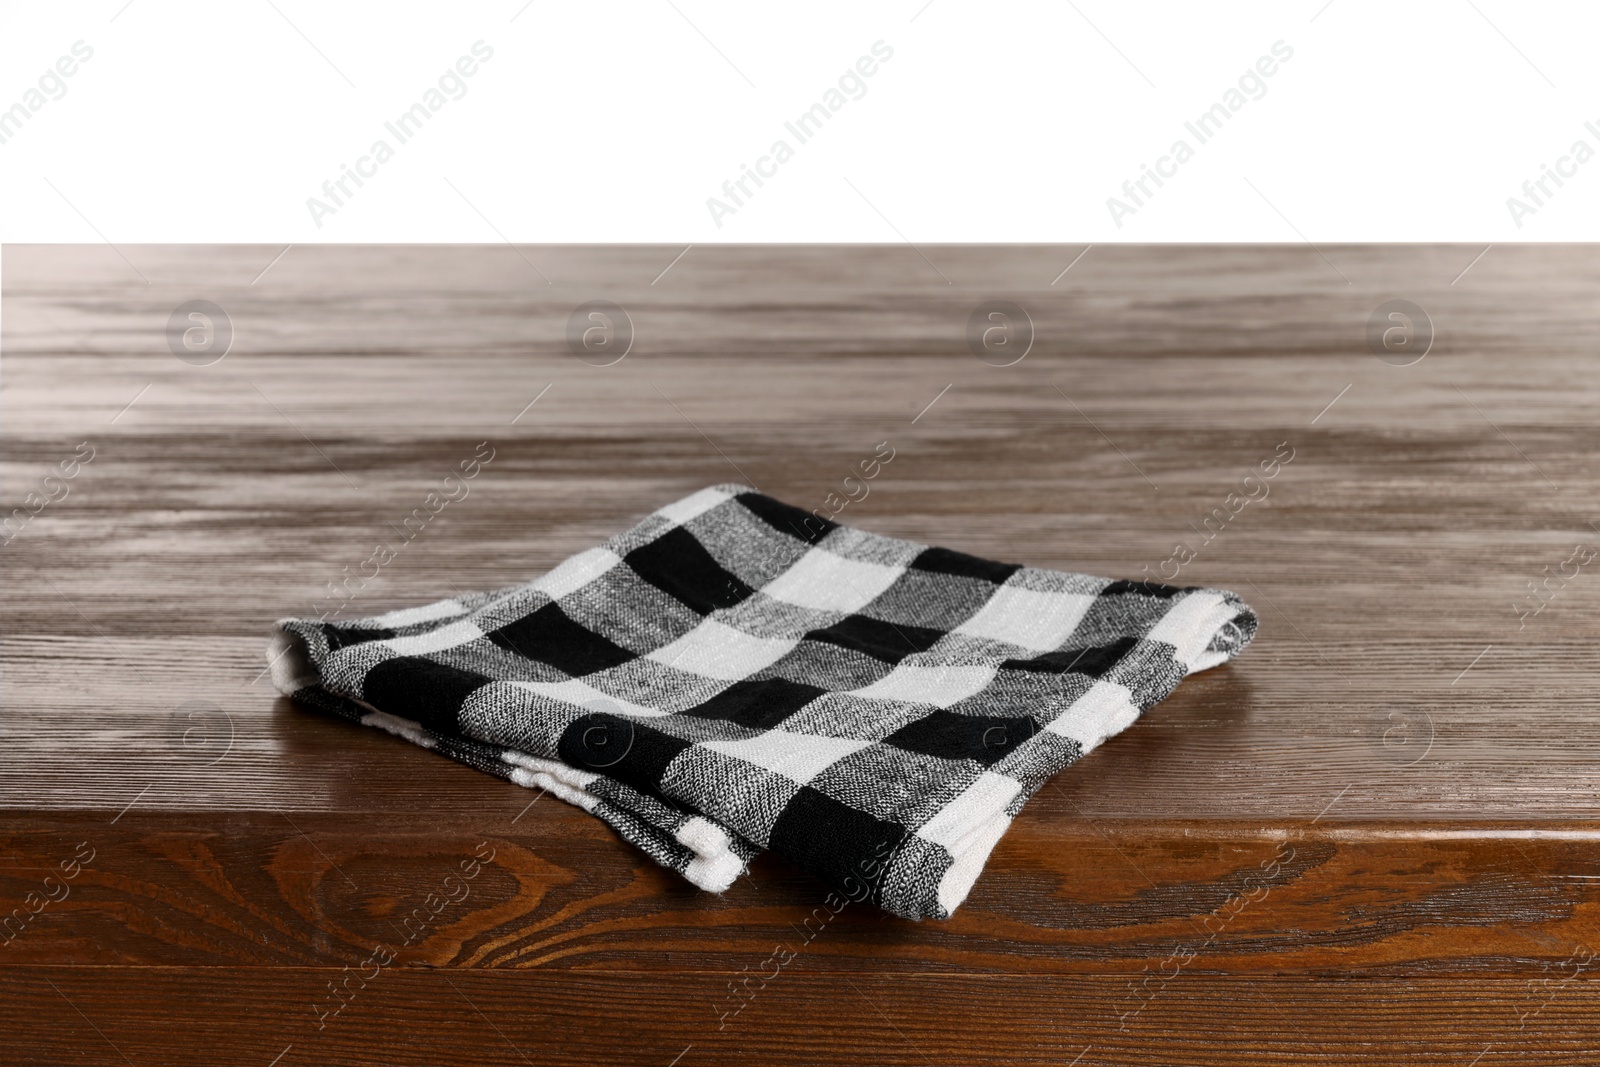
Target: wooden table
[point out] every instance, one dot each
(1371, 839)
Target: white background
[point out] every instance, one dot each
(616, 121)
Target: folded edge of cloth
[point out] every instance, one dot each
(921, 870)
(710, 856)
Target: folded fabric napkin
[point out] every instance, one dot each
(734, 674)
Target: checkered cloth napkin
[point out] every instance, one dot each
(734, 674)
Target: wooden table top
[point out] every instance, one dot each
(1393, 788)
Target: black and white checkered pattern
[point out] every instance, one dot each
(734, 674)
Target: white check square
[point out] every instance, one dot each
(978, 804)
(444, 638)
(694, 505)
(577, 572)
(716, 650)
(798, 757)
(576, 691)
(1038, 621)
(826, 582)
(1106, 709)
(939, 686)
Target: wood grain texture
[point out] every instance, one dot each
(1426, 754)
(54, 1015)
(474, 1016)
(1111, 896)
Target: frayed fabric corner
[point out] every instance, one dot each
(735, 674)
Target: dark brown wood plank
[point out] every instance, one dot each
(405, 1016)
(1101, 896)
